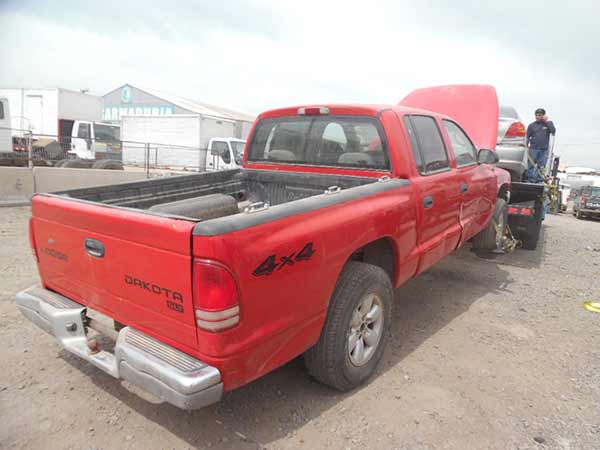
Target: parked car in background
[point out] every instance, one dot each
(586, 202)
(512, 143)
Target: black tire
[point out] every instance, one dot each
(487, 238)
(60, 163)
(76, 164)
(108, 164)
(532, 235)
(329, 360)
(54, 151)
(579, 215)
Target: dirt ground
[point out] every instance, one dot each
(486, 354)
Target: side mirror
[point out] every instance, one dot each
(486, 156)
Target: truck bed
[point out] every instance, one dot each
(245, 186)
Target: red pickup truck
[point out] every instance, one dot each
(206, 282)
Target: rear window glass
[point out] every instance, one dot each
(509, 112)
(338, 141)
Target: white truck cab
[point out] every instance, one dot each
(95, 140)
(5, 131)
(224, 153)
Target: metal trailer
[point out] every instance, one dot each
(178, 140)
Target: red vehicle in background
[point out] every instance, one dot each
(209, 281)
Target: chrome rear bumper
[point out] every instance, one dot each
(166, 372)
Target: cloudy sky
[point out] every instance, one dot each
(255, 55)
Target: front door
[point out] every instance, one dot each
(82, 142)
(472, 179)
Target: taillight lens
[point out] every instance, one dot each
(32, 239)
(583, 200)
(517, 129)
(215, 296)
(520, 211)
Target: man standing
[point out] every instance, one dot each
(538, 140)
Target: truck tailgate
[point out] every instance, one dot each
(131, 266)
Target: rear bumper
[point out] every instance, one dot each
(590, 212)
(166, 372)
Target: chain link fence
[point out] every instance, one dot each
(23, 148)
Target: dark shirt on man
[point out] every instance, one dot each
(538, 134)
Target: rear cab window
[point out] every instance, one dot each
(428, 145)
(329, 141)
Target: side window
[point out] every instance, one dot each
(431, 145)
(414, 144)
(464, 150)
(1, 110)
(221, 149)
(83, 131)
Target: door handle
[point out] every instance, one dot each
(94, 248)
(464, 188)
(428, 201)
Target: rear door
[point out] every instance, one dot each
(438, 191)
(131, 266)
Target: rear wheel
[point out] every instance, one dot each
(356, 329)
(491, 237)
(579, 215)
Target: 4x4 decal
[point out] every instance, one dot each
(272, 263)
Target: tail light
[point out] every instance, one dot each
(517, 129)
(583, 199)
(527, 211)
(520, 211)
(215, 296)
(32, 239)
